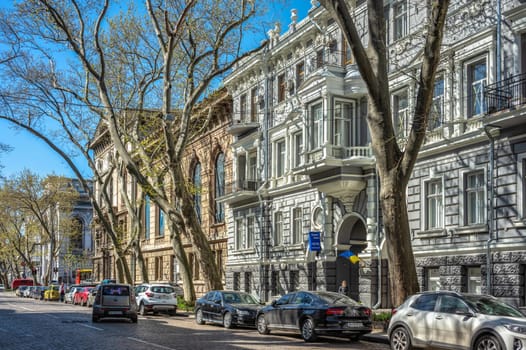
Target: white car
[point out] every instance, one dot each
(445, 319)
(156, 297)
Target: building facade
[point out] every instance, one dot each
(207, 164)
(302, 162)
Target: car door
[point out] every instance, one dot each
(291, 313)
(215, 307)
(274, 316)
(205, 305)
(420, 317)
(453, 323)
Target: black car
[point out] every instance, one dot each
(229, 308)
(316, 313)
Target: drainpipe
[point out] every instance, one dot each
(491, 238)
(379, 244)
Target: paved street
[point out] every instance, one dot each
(33, 324)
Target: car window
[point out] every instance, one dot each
(302, 298)
(112, 290)
(162, 289)
(284, 299)
(452, 305)
(425, 302)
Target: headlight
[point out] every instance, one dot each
(517, 328)
(243, 312)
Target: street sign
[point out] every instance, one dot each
(314, 241)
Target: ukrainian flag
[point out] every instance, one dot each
(351, 256)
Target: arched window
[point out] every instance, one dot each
(219, 187)
(196, 179)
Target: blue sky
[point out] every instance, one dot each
(31, 153)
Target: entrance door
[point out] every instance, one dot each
(345, 270)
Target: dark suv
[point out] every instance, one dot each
(114, 301)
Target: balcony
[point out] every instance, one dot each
(242, 126)
(240, 191)
(506, 94)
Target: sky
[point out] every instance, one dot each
(29, 152)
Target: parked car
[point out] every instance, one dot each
(445, 319)
(70, 293)
(52, 293)
(27, 291)
(316, 313)
(156, 298)
(2, 288)
(92, 295)
(19, 292)
(179, 291)
(39, 293)
(229, 308)
(81, 296)
(115, 301)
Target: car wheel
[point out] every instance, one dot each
(142, 309)
(94, 319)
(227, 320)
(307, 330)
(199, 317)
(400, 339)
(262, 325)
(487, 342)
(134, 319)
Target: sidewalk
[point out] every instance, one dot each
(377, 336)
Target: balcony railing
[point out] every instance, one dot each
(242, 186)
(506, 94)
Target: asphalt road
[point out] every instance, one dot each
(27, 324)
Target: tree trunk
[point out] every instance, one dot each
(186, 273)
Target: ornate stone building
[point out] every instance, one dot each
(207, 163)
(302, 162)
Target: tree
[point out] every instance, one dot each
(394, 161)
(36, 212)
(119, 69)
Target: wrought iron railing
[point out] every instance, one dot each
(506, 94)
(242, 185)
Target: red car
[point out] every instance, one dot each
(81, 297)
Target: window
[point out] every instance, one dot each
(239, 234)
(298, 149)
(220, 187)
(317, 126)
(253, 105)
(250, 232)
(300, 74)
(425, 302)
(433, 279)
(278, 228)
(158, 268)
(252, 166)
(280, 158)
(387, 14)
(474, 280)
(274, 283)
(477, 73)
(437, 108)
(342, 124)
(475, 198)
(294, 281)
(347, 53)
(319, 59)
(401, 113)
(243, 108)
(248, 282)
(297, 226)
(452, 305)
(521, 185)
(434, 207)
(147, 217)
(160, 222)
(196, 177)
(281, 88)
(400, 19)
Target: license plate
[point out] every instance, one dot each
(114, 312)
(353, 325)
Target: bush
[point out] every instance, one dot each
(384, 316)
(183, 305)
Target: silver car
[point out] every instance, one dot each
(445, 319)
(156, 297)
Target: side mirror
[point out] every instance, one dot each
(274, 302)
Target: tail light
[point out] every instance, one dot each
(367, 312)
(393, 311)
(149, 294)
(335, 311)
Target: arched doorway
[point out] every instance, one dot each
(351, 235)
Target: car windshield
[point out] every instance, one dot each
(492, 306)
(239, 298)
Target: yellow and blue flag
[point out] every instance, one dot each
(351, 256)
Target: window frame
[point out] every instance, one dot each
(478, 190)
(297, 225)
(433, 197)
(400, 19)
(277, 226)
(471, 109)
(316, 110)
